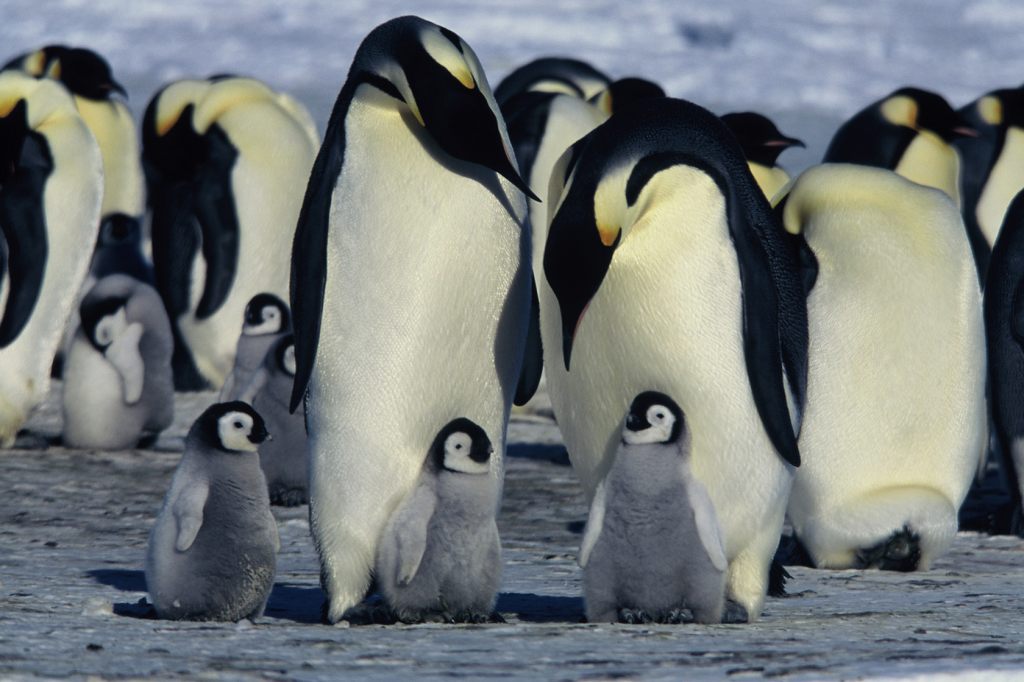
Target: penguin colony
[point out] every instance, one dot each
(725, 347)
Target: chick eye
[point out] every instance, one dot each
(458, 446)
(660, 415)
(238, 425)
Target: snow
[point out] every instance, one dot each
(73, 525)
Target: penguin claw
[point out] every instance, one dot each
(734, 612)
(680, 616)
(901, 551)
(634, 616)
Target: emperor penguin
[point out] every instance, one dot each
(411, 249)
(910, 131)
(439, 556)
(51, 184)
(762, 143)
(226, 161)
(552, 74)
(665, 270)
(652, 547)
(117, 375)
(212, 552)
(896, 417)
(267, 319)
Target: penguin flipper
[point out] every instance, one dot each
(1017, 314)
(708, 529)
(410, 527)
(124, 355)
(188, 513)
(595, 522)
(218, 220)
(533, 352)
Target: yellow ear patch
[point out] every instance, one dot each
(901, 111)
(604, 102)
(173, 101)
(608, 234)
(54, 70)
(34, 63)
(991, 110)
(444, 52)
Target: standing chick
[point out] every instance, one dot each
(440, 556)
(267, 319)
(213, 549)
(652, 546)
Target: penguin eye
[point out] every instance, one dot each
(239, 425)
(458, 446)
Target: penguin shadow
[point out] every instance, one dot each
(540, 608)
(125, 581)
(556, 454)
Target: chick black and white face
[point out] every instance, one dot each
(463, 447)
(653, 418)
(239, 432)
(104, 321)
(265, 314)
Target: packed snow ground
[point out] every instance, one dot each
(73, 525)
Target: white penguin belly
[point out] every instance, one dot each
(932, 162)
(1004, 181)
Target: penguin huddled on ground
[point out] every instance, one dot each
(652, 547)
(226, 160)
(51, 185)
(420, 256)
(118, 385)
(762, 143)
(213, 549)
(439, 557)
(267, 319)
(896, 418)
(665, 270)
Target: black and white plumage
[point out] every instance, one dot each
(552, 74)
(213, 549)
(267, 319)
(118, 385)
(652, 547)
(762, 143)
(439, 556)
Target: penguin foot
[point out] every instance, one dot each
(734, 612)
(283, 496)
(471, 617)
(900, 552)
(147, 441)
(634, 616)
(680, 616)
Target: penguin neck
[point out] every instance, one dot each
(1003, 183)
(648, 469)
(468, 495)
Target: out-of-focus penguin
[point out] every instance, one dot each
(652, 546)
(117, 374)
(910, 131)
(213, 549)
(762, 142)
(411, 249)
(226, 161)
(267, 319)
(440, 556)
(896, 418)
(665, 270)
(552, 74)
(51, 184)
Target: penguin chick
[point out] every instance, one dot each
(762, 143)
(267, 320)
(440, 556)
(652, 546)
(117, 377)
(213, 548)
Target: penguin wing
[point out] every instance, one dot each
(708, 529)
(1017, 314)
(255, 385)
(595, 521)
(218, 221)
(188, 512)
(124, 355)
(411, 519)
(533, 352)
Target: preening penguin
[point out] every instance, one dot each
(552, 74)
(51, 183)
(117, 374)
(440, 555)
(226, 161)
(410, 247)
(267, 319)
(910, 131)
(896, 417)
(213, 550)
(762, 142)
(652, 547)
(665, 270)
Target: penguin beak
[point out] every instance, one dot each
(965, 131)
(636, 422)
(783, 142)
(258, 433)
(118, 88)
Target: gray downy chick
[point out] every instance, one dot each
(439, 557)
(213, 549)
(118, 385)
(652, 548)
(267, 319)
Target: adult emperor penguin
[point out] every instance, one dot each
(51, 182)
(226, 161)
(117, 374)
(552, 74)
(910, 131)
(267, 319)
(762, 143)
(896, 417)
(410, 250)
(665, 270)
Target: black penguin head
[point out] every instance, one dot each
(999, 109)
(266, 314)
(554, 75)
(653, 418)
(284, 355)
(119, 230)
(103, 320)
(923, 110)
(760, 139)
(440, 79)
(624, 93)
(230, 427)
(172, 150)
(82, 71)
(462, 447)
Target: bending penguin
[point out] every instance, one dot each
(117, 376)
(420, 253)
(652, 548)
(762, 143)
(51, 184)
(267, 320)
(439, 557)
(665, 270)
(226, 160)
(552, 74)
(213, 549)
(896, 417)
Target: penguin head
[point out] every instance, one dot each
(439, 78)
(284, 355)
(999, 109)
(265, 314)
(104, 320)
(462, 447)
(83, 72)
(172, 150)
(624, 93)
(119, 230)
(231, 427)
(653, 418)
(761, 140)
(923, 110)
